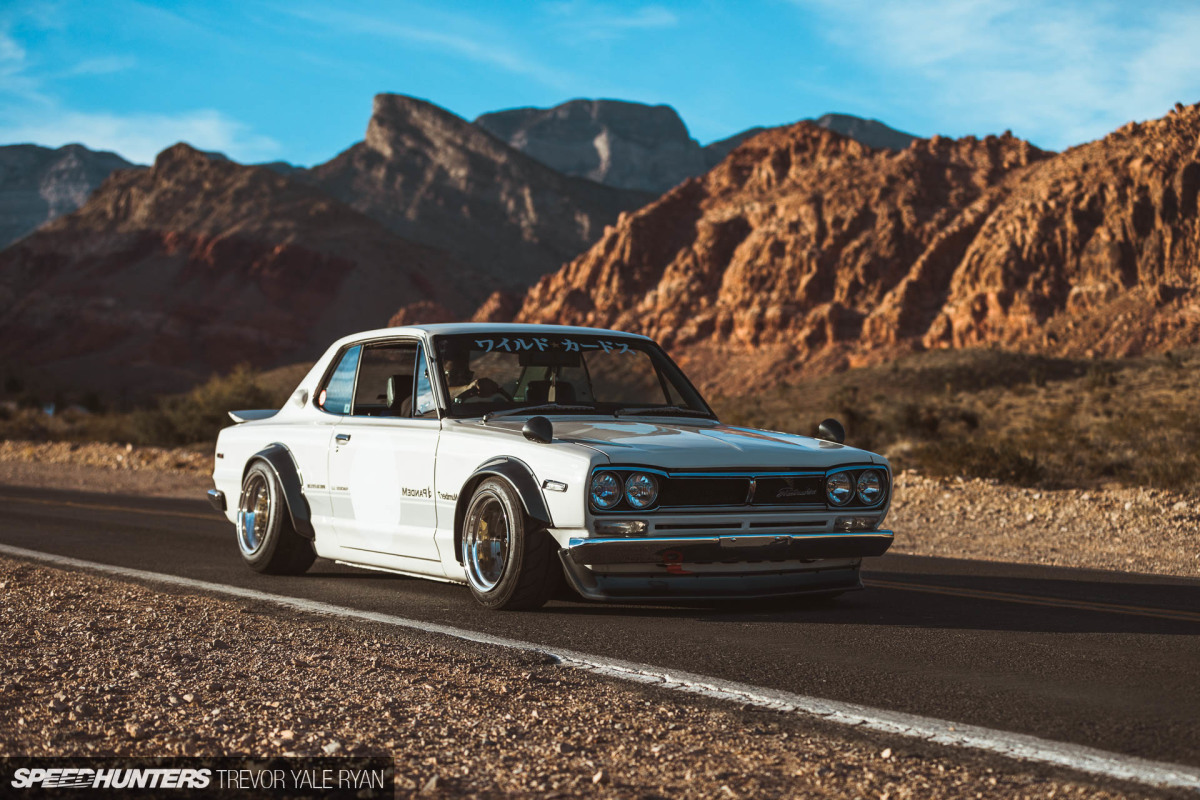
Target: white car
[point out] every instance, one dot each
(512, 457)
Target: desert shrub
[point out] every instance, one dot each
(1100, 376)
(197, 415)
(998, 460)
(1037, 375)
(919, 420)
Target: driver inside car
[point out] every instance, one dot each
(462, 380)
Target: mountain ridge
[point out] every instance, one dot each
(38, 184)
(421, 170)
(805, 251)
(197, 264)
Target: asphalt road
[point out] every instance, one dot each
(1100, 659)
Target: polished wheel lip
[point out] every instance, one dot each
(254, 513)
(486, 556)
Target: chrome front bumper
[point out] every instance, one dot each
(712, 567)
(723, 549)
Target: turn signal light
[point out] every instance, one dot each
(855, 524)
(624, 527)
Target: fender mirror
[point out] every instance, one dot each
(538, 429)
(832, 430)
(300, 397)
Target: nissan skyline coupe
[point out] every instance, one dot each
(526, 460)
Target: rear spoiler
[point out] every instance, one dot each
(252, 414)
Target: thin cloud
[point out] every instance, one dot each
(140, 137)
(490, 53)
(1059, 75)
(137, 136)
(594, 21)
(105, 65)
(11, 51)
(14, 78)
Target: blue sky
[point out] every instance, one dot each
(293, 79)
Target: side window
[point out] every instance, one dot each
(426, 404)
(339, 390)
(385, 380)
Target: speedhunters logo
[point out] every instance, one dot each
(85, 778)
(147, 778)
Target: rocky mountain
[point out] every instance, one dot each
(1093, 252)
(627, 145)
(870, 132)
(715, 152)
(168, 274)
(38, 184)
(808, 250)
(638, 146)
(435, 178)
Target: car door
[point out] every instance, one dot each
(382, 457)
(311, 444)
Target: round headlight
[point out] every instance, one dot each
(870, 486)
(605, 491)
(641, 489)
(839, 488)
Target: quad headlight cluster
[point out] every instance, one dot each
(639, 490)
(842, 487)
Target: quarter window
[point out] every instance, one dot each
(339, 391)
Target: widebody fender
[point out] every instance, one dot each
(519, 476)
(280, 459)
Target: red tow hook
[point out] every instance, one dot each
(673, 561)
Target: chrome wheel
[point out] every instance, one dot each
(487, 542)
(254, 514)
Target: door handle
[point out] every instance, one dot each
(342, 438)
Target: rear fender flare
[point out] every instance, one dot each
(519, 476)
(283, 464)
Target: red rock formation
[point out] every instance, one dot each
(804, 250)
(499, 307)
(168, 274)
(422, 312)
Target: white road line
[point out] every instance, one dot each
(1012, 745)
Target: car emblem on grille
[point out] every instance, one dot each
(792, 491)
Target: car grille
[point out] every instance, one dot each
(704, 492)
(805, 490)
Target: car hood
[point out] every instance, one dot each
(701, 445)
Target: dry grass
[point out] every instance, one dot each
(1020, 419)
(173, 420)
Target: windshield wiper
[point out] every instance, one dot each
(512, 412)
(689, 412)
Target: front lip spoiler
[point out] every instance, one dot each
(669, 550)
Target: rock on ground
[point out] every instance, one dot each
(88, 666)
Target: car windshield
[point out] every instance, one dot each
(561, 373)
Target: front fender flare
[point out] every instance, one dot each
(519, 476)
(281, 461)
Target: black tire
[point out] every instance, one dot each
(513, 568)
(266, 537)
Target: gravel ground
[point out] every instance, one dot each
(90, 665)
(1131, 530)
(108, 468)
